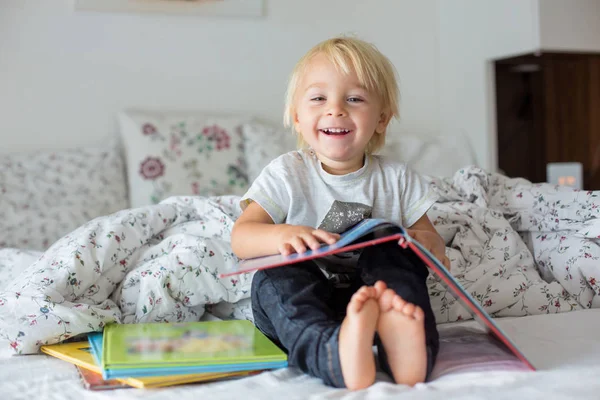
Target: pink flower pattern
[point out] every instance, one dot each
(187, 147)
(152, 168)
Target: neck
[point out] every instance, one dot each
(342, 167)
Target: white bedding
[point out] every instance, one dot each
(564, 347)
(161, 263)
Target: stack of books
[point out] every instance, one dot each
(159, 354)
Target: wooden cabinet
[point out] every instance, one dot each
(548, 110)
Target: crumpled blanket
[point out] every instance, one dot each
(160, 263)
(485, 217)
(149, 264)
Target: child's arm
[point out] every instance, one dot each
(424, 232)
(254, 234)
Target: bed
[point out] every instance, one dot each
(564, 347)
(567, 359)
(107, 235)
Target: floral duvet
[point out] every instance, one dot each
(518, 248)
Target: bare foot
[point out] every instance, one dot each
(401, 327)
(356, 339)
(380, 287)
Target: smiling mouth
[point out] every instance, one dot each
(335, 131)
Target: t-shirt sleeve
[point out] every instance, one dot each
(270, 191)
(417, 197)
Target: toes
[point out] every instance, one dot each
(408, 309)
(380, 287)
(386, 300)
(419, 315)
(360, 296)
(372, 292)
(367, 291)
(398, 302)
(355, 304)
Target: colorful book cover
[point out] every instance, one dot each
(156, 349)
(352, 239)
(93, 380)
(383, 231)
(80, 354)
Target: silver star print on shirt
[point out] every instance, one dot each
(342, 215)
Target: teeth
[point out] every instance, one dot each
(335, 130)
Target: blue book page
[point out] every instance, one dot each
(95, 340)
(347, 238)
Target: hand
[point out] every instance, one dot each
(297, 238)
(433, 242)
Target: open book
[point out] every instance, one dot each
(464, 349)
(370, 232)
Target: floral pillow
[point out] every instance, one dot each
(179, 153)
(45, 195)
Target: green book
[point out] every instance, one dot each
(211, 346)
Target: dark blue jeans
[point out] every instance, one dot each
(301, 311)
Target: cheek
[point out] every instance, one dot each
(370, 118)
(307, 116)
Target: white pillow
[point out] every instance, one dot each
(435, 156)
(182, 153)
(13, 262)
(438, 156)
(45, 195)
(263, 143)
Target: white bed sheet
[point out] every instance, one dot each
(564, 347)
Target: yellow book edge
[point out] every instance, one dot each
(78, 353)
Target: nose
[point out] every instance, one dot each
(336, 109)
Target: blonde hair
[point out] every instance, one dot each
(374, 71)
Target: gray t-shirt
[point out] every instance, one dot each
(295, 189)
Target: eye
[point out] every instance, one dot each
(355, 100)
(317, 98)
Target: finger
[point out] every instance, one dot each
(447, 263)
(311, 241)
(298, 244)
(325, 236)
(444, 260)
(285, 249)
(419, 237)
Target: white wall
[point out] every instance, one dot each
(472, 33)
(570, 25)
(64, 75)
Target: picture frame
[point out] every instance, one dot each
(214, 8)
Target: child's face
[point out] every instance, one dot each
(336, 116)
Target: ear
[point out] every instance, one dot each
(384, 120)
(296, 122)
